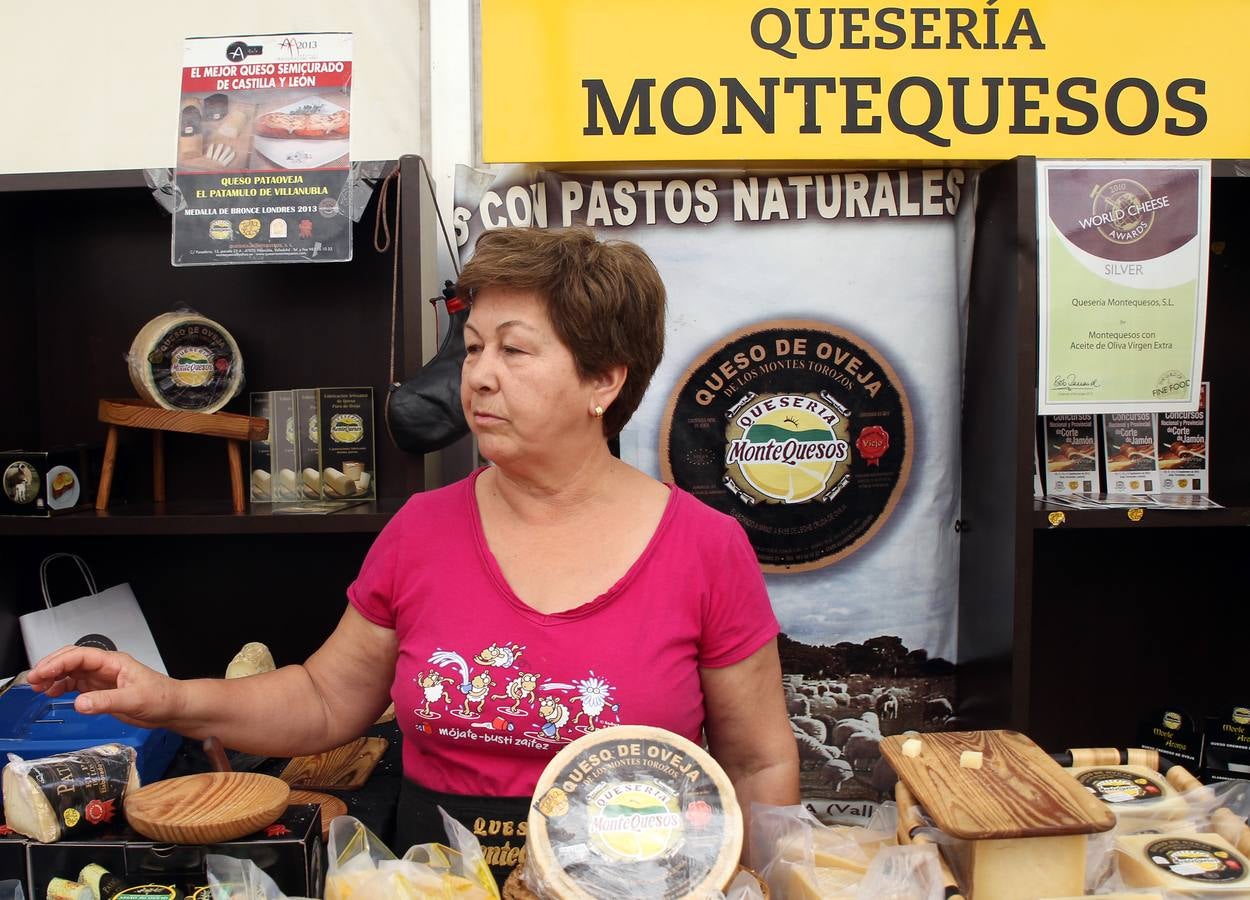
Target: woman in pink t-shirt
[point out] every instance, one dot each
(556, 592)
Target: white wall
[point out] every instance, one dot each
(94, 85)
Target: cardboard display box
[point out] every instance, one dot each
(289, 851)
(43, 482)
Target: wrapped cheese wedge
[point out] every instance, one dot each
(1193, 863)
(53, 797)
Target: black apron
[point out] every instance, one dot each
(498, 823)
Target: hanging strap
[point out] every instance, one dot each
(82, 568)
(382, 241)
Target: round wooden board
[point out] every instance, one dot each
(331, 806)
(207, 808)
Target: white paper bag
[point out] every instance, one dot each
(113, 614)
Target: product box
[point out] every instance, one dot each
(286, 485)
(308, 443)
(347, 443)
(1227, 745)
(43, 482)
(260, 453)
(13, 856)
(1174, 733)
(289, 851)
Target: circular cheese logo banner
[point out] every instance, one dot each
(797, 428)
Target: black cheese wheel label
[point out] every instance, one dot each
(1196, 860)
(1119, 786)
(799, 429)
(634, 811)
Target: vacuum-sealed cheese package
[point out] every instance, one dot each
(185, 361)
(632, 811)
(54, 797)
(361, 867)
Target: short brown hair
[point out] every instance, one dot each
(605, 299)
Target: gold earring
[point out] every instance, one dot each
(598, 412)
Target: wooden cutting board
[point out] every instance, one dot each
(207, 808)
(344, 768)
(331, 806)
(1018, 792)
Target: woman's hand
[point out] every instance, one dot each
(109, 682)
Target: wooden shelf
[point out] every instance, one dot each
(1228, 517)
(201, 517)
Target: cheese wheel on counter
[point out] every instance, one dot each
(57, 796)
(184, 361)
(632, 811)
(1138, 795)
(1197, 863)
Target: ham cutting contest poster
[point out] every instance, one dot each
(810, 388)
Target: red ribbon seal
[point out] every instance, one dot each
(97, 811)
(872, 443)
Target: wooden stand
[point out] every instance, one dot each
(234, 428)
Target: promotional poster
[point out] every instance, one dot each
(263, 163)
(810, 388)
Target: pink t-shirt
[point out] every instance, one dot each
(487, 689)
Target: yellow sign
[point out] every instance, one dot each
(586, 81)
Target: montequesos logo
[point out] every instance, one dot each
(191, 366)
(799, 429)
(786, 447)
(347, 428)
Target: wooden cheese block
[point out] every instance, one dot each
(633, 811)
(1018, 791)
(207, 808)
(331, 806)
(345, 768)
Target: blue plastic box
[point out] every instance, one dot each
(33, 725)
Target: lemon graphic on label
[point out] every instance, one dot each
(191, 366)
(634, 821)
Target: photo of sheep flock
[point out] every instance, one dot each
(842, 700)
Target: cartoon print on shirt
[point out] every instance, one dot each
(478, 690)
(500, 657)
(594, 694)
(518, 689)
(432, 686)
(447, 658)
(524, 694)
(555, 715)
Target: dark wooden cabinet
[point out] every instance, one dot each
(86, 262)
(1074, 633)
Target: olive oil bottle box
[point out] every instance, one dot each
(308, 442)
(260, 453)
(347, 443)
(286, 482)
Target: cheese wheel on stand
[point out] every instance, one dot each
(184, 361)
(632, 811)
